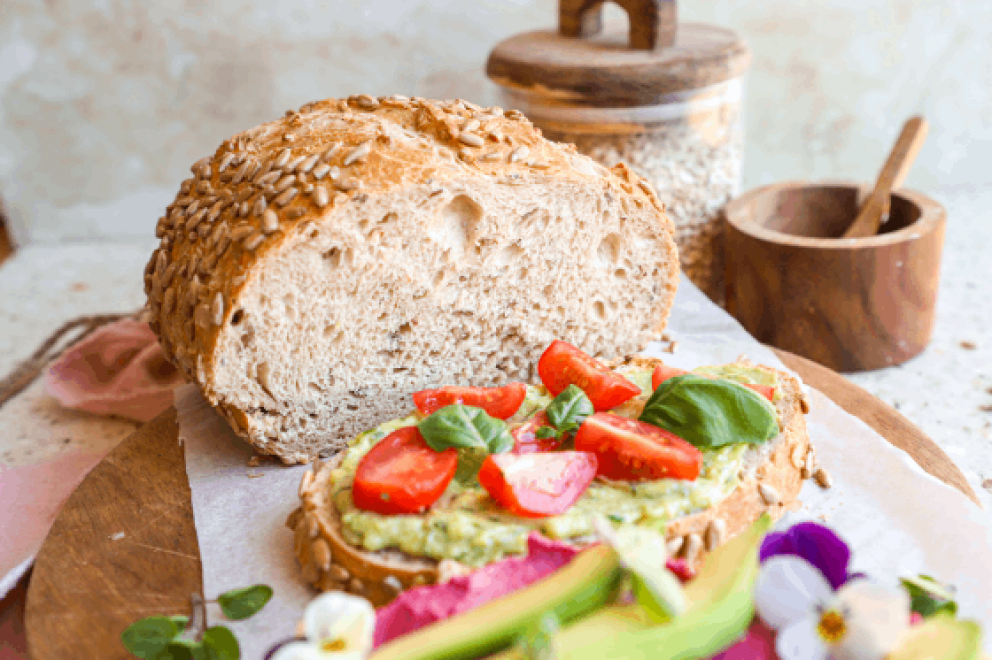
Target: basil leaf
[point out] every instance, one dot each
(242, 603)
(180, 621)
(929, 597)
(149, 637)
(183, 649)
(464, 426)
(546, 432)
(569, 409)
(711, 413)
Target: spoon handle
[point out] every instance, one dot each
(893, 173)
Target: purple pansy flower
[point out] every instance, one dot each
(817, 544)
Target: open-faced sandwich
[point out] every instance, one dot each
(465, 478)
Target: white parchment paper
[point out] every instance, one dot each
(898, 519)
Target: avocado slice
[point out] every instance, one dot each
(942, 637)
(588, 582)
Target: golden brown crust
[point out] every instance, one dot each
(689, 537)
(244, 202)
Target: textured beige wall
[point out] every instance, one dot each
(105, 103)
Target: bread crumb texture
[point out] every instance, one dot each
(318, 269)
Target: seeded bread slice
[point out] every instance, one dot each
(320, 268)
(776, 468)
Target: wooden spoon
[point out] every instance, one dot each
(875, 210)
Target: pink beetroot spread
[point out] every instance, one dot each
(422, 606)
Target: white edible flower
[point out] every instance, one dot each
(862, 620)
(337, 626)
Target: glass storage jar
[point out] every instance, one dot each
(668, 102)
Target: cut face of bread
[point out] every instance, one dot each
(337, 327)
(320, 268)
(768, 479)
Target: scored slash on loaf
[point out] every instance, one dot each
(365, 248)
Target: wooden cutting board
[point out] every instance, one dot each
(89, 584)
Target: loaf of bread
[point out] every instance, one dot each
(770, 480)
(318, 269)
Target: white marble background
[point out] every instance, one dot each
(105, 103)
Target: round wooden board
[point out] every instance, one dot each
(88, 587)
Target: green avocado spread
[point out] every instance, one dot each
(466, 525)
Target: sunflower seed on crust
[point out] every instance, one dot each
(823, 478)
(798, 457)
(308, 164)
(270, 221)
(348, 184)
(471, 139)
(769, 494)
(282, 159)
(320, 196)
(693, 544)
(365, 101)
(519, 153)
(320, 171)
(286, 196)
(715, 533)
(241, 232)
(260, 205)
(357, 154)
(269, 178)
(392, 583)
(217, 309)
(673, 545)
(305, 483)
(339, 573)
(291, 165)
(225, 161)
(331, 152)
(253, 241)
(320, 553)
(284, 182)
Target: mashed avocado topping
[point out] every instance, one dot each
(466, 525)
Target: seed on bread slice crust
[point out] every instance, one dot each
(329, 562)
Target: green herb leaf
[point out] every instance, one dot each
(149, 637)
(711, 413)
(183, 649)
(242, 603)
(569, 409)
(537, 641)
(221, 644)
(461, 426)
(929, 597)
(546, 432)
(180, 621)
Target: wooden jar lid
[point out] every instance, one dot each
(582, 64)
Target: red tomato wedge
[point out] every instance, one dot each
(563, 364)
(499, 402)
(537, 485)
(663, 373)
(631, 451)
(525, 436)
(402, 474)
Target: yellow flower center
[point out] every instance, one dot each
(327, 645)
(831, 627)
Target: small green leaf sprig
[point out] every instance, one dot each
(189, 638)
(464, 427)
(566, 413)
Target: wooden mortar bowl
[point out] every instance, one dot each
(849, 304)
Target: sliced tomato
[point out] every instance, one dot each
(402, 474)
(499, 402)
(563, 364)
(663, 373)
(539, 484)
(525, 436)
(631, 451)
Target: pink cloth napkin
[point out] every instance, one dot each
(118, 370)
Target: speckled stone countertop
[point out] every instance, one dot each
(946, 391)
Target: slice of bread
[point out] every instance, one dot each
(770, 481)
(320, 268)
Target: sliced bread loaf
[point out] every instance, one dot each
(770, 479)
(318, 269)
